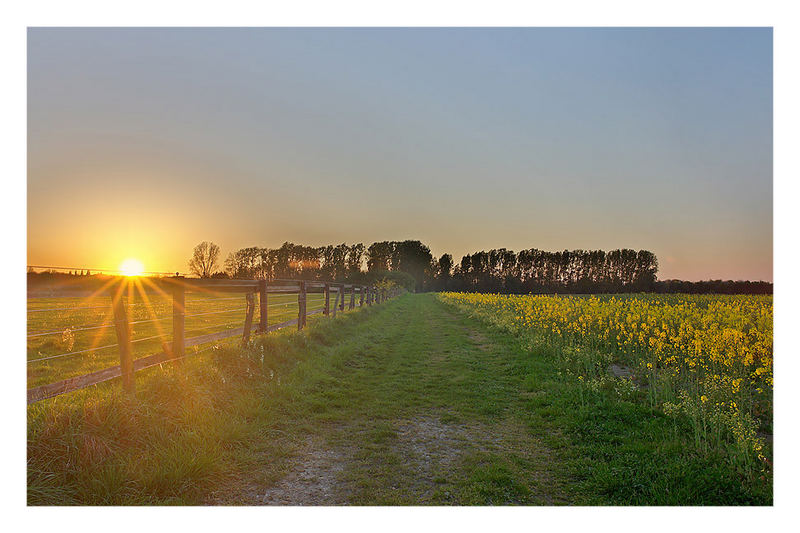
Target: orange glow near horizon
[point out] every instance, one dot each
(131, 267)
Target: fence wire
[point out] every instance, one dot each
(159, 310)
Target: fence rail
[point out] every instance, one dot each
(174, 346)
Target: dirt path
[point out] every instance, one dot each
(422, 410)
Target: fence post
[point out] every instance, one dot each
(353, 297)
(361, 296)
(327, 310)
(341, 300)
(178, 317)
(301, 306)
(123, 327)
(248, 319)
(262, 306)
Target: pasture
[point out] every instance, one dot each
(69, 337)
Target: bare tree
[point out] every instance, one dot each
(204, 259)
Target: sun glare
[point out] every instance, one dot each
(131, 267)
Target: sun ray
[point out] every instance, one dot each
(108, 319)
(102, 290)
(149, 306)
(155, 287)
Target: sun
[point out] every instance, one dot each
(131, 267)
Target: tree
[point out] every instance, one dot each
(441, 272)
(355, 258)
(414, 258)
(339, 261)
(646, 270)
(246, 263)
(204, 259)
(379, 255)
(445, 269)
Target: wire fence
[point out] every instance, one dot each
(131, 323)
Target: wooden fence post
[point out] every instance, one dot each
(353, 298)
(327, 310)
(262, 306)
(361, 296)
(248, 319)
(123, 327)
(178, 317)
(301, 305)
(341, 300)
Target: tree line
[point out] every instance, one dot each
(411, 264)
(538, 271)
(404, 263)
(715, 286)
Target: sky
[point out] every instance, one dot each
(145, 142)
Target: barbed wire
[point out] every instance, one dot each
(150, 338)
(105, 324)
(212, 299)
(43, 309)
(239, 310)
(61, 331)
(316, 300)
(72, 353)
(217, 326)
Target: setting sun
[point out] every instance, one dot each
(131, 267)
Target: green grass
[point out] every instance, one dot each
(409, 402)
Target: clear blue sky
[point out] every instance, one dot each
(144, 142)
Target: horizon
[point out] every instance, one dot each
(140, 270)
(144, 142)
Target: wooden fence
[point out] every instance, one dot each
(176, 288)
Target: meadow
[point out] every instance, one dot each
(704, 359)
(69, 337)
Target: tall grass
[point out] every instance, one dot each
(178, 437)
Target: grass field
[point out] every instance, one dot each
(84, 329)
(416, 401)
